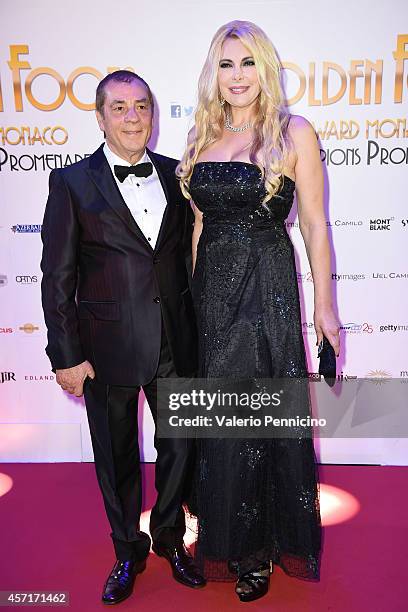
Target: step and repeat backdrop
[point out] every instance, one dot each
(345, 69)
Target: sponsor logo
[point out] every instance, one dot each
(38, 377)
(28, 328)
(6, 330)
(381, 224)
(340, 223)
(308, 327)
(345, 223)
(345, 377)
(404, 222)
(26, 229)
(3, 280)
(368, 328)
(378, 376)
(354, 277)
(303, 277)
(26, 280)
(357, 328)
(7, 377)
(393, 328)
(342, 377)
(177, 111)
(391, 275)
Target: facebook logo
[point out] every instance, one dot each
(175, 111)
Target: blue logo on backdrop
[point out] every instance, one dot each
(26, 229)
(177, 111)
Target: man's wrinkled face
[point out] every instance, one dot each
(127, 119)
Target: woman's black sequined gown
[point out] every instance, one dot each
(255, 499)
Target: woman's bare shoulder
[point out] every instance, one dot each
(300, 128)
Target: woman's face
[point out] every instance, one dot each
(237, 74)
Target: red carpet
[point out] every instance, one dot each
(54, 536)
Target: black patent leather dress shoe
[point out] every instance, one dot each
(182, 565)
(119, 584)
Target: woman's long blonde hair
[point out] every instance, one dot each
(270, 147)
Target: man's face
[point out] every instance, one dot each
(127, 119)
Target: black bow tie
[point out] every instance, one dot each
(144, 170)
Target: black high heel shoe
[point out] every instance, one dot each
(255, 584)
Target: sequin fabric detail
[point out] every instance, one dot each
(255, 500)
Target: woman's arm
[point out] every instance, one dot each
(198, 227)
(312, 222)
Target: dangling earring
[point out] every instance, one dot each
(222, 101)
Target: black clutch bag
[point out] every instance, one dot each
(327, 365)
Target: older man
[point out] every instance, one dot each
(119, 314)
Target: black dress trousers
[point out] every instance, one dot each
(113, 420)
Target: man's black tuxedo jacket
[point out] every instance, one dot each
(104, 287)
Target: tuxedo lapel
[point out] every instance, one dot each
(164, 180)
(100, 173)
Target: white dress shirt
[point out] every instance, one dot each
(144, 196)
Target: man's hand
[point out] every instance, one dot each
(72, 379)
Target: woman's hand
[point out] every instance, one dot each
(326, 324)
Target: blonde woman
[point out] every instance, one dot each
(256, 500)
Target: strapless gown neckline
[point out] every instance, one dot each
(238, 161)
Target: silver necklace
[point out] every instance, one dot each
(231, 128)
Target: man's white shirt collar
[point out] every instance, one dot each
(115, 160)
(144, 197)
